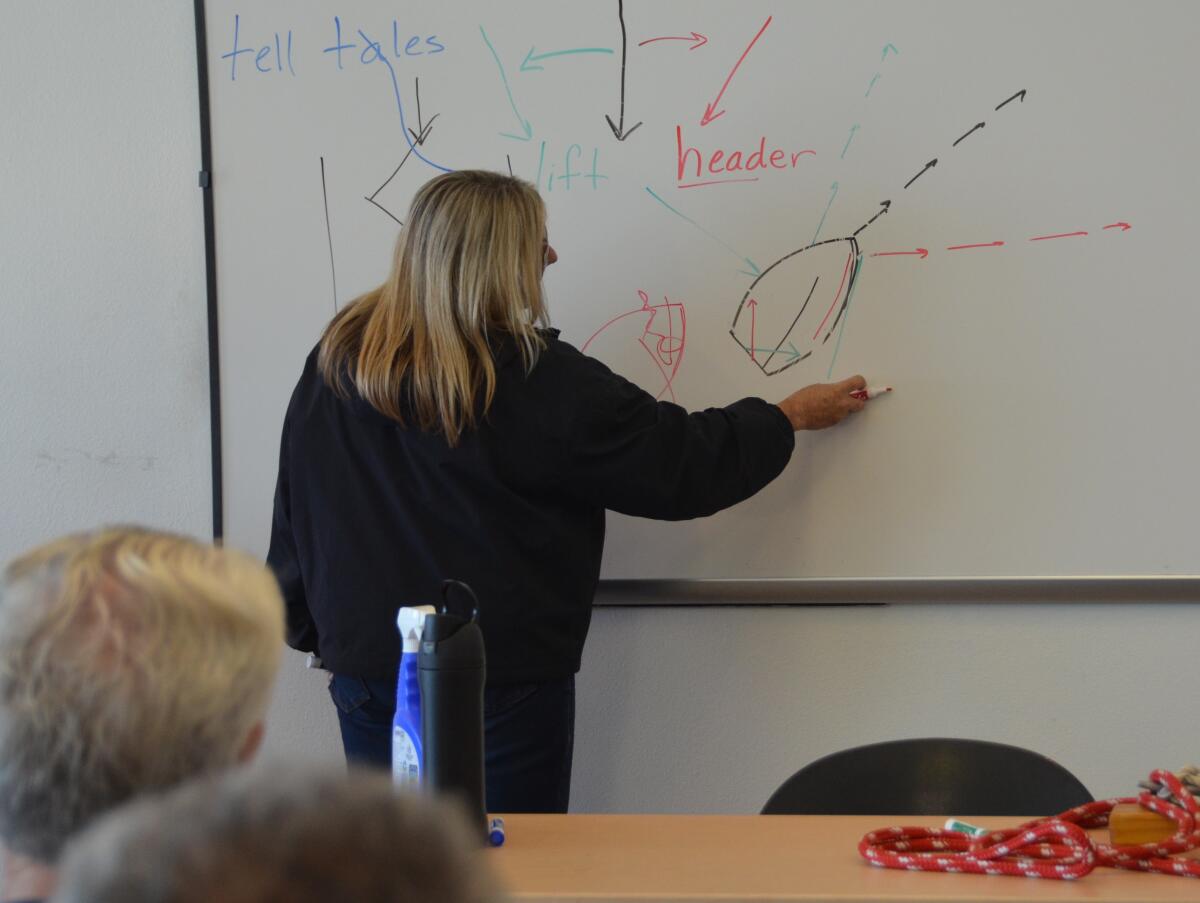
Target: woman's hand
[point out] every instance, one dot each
(822, 405)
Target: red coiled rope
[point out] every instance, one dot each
(1055, 847)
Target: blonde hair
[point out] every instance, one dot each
(129, 661)
(467, 266)
(289, 833)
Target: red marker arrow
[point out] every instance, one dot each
(990, 244)
(921, 252)
(1124, 227)
(698, 40)
(710, 111)
(1059, 235)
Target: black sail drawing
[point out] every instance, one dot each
(796, 303)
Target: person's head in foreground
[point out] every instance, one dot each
(130, 660)
(290, 835)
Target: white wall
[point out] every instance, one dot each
(103, 358)
(104, 410)
(103, 373)
(709, 710)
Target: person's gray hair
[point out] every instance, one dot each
(129, 660)
(290, 834)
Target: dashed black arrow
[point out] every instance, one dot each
(928, 166)
(883, 204)
(974, 128)
(1020, 94)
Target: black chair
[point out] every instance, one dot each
(930, 776)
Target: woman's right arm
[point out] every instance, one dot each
(634, 454)
(823, 405)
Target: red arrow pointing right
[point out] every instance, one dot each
(697, 39)
(920, 252)
(989, 244)
(1124, 227)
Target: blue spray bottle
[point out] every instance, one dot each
(406, 725)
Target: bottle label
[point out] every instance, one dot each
(406, 762)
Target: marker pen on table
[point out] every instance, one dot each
(870, 392)
(962, 827)
(496, 832)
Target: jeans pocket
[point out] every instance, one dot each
(348, 693)
(502, 697)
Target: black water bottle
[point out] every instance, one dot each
(450, 669)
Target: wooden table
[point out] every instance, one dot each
(762, 858)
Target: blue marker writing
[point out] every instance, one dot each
(339, 46)
(236, 51)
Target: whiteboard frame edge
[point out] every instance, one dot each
(632, 593)
(199, 15)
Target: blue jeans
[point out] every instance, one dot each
(529, 737)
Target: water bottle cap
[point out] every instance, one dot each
(448, 643)
(470, 614)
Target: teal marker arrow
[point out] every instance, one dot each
(526, 128)
(754, 270)
(854, 128)
(832, 195)
(791, 352)
(837, 347)
(527, 65)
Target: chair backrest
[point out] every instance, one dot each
(930, 776)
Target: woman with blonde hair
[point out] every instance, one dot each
(441, 430)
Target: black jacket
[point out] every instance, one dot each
(371, 516)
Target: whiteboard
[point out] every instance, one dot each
(988, 207)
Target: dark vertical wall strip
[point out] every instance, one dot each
(210, 272)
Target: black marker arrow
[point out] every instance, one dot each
(974, 128)
(883, 204)
(1020, 94)
(928, 166)
(618, 128)
(422, 131)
